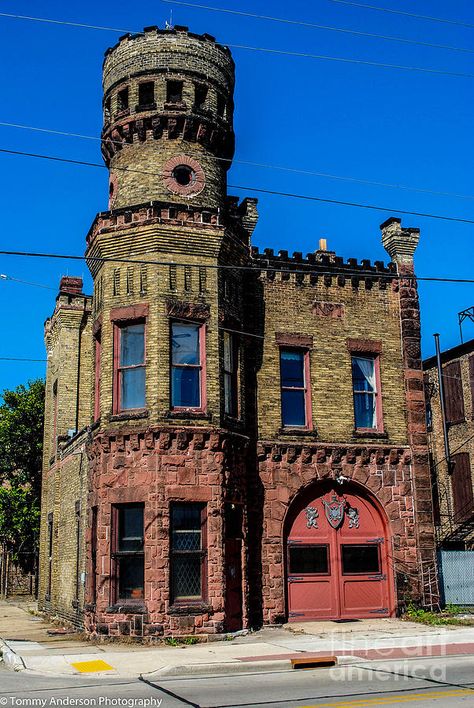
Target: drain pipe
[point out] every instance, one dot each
(443, 407)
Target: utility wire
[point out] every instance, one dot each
(13, 358)
(228, 161)
(312, 25)
(25, 282)
(320, 57)
(390, 10)
(247, 188)
(314, 269)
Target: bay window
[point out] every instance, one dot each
(188, 552)
(129, 366)
(231, 365)
(187, 362)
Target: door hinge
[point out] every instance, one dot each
(296, 614)
(291, 542)
(381, 611)
(382, 576)
(375, 540)
(294, 579)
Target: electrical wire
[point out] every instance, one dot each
(392, 11)
(253, 164)
(13, 358)
(319, 57)
(312, 25)
(247, 188)
(24, 282)
(312, 269)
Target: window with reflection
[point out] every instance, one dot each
(129, 361)
(294, 393)
(188, 552)
(186, 365)
(128, 553)
(364, 382)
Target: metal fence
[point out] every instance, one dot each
(456, 574)
(18, 574)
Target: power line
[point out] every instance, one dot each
(246, 188)
(320, 57)
(314, 268)
(390, 10)
(24, 282)
(312, 25)
(13, 358)
(282, 168)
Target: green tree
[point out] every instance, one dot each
(21, 448)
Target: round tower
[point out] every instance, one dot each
(168, 114)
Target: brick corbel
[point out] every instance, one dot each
(369, 346)
(188, 310)
(131, 312)
(294, 339)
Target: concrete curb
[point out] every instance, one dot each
(12, 660)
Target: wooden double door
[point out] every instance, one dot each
(337, 556)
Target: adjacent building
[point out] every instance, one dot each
(232, 437)
(453, 483)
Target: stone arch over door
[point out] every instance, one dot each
(337, 554)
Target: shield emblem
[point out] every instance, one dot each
(334, 511)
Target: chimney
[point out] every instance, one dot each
(323, 244)
(70, 285)
(399, 243)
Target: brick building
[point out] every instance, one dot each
(232, 437)
(454, 487)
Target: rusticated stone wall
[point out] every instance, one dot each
(157, 467)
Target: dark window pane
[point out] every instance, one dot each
(186, 517)
(293, 407)
(186, 540)
(130, 532)
(174, 91)
(292, 370)
(131, 576)
(186, 576)
(185, 344)
(185, 388)
(309, 559)
(122, 99)
(360, 559)
(146, 93)
(364, 409)
(132, 394)
(132, 345)
(363, 374)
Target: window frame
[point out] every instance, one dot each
(97, 372)
(306, 388)
(202, 552)
(201, 367)
(308, 544)
(50, 537)
(116, 555)
(120, 325)
(174, 98)
(150, 86)
(231, 375)
(375, 357)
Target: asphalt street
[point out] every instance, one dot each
(419, 682)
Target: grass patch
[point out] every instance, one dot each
(181, 641)
(449, 616)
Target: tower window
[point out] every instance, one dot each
(174, 91)
(146, 93)
(200, 95)
(107, 110)
(183, 175)
(122, 99)
(220, 105)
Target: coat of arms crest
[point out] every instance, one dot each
(334, 510)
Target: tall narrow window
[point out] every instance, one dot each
(186, 365)
(129, 362)
(128, 554)
(122, 99)
(200, 95)
(146, 93)
(174, 91)
(97, 358)
(188, 552)
(93, 578)
(231, 364)
(220, 105)
(77, 515)
(453, 392)
(55, 417)
(367, 412)
(50, 555)
(461, 481)
(294, 372)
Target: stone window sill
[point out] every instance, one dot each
(373, 434)
(129, 415)
(127, 608)
(196, 608)
(122, 113)
(145, 107)
(299, 432)
(175, 106)
(188, 415)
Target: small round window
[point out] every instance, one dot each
(184, 175)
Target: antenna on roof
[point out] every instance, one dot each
(169, 25)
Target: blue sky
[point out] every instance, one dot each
(384, 125)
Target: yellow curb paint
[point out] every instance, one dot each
(361, 703)
(90, 667)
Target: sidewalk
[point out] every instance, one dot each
(26, 644)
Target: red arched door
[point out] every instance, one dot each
(337, 556)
